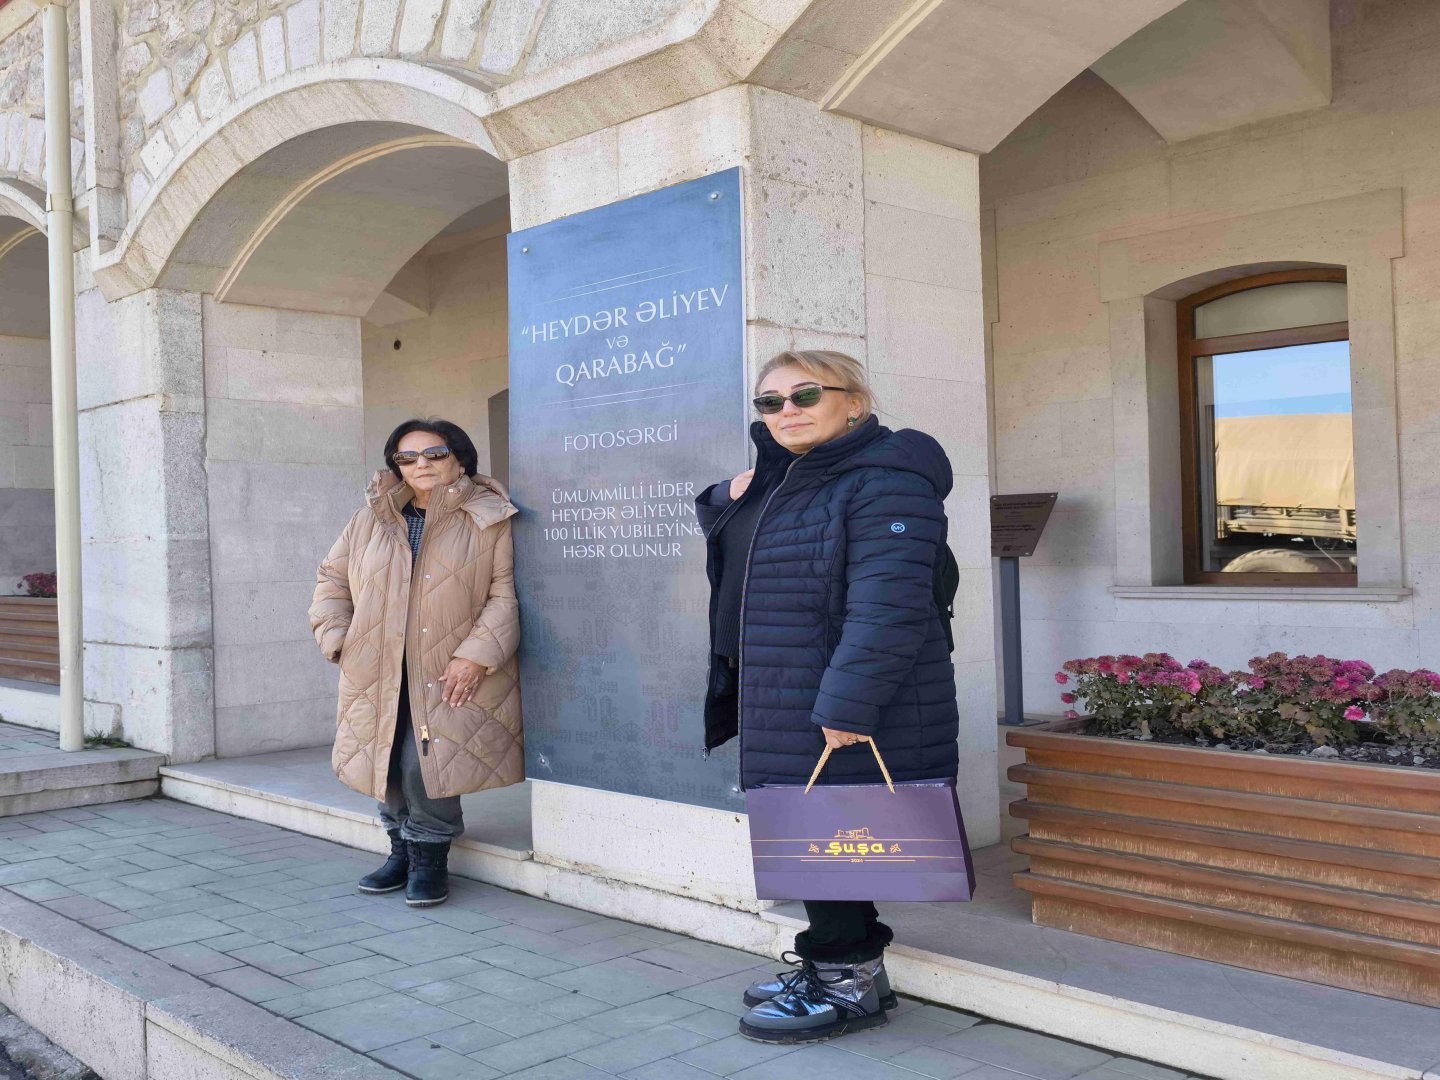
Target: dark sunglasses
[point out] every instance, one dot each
(430, 453)
(803, 398)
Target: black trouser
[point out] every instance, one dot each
(842, 932)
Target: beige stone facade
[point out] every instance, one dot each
(293, 218)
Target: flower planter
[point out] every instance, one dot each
(1318, 870)
(29, 639)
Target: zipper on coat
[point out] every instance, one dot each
(744, 591)
(423, 732)
(424, 741)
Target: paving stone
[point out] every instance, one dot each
(40, 890)
(711, 1023)
(276, 959)
(1131, 1069)
(424, 1059)
(462, 919)
(522, 1053)
(252, 984)
(622, 981)
(942, 1065)
(436, 970)
(830, 1062)
(732, 1053)
(522, 938)
(511, 987)
(230, 942)
(523, 963)
(264, 926)
(381, 1021)
(396, 921)
(264, 899)
(339, 954)
(562, 1069)
(173, 877)
(1023, 1051)
(104, 922)
(640, 1015)
(597, 952)
(469, 1038)
(309, 940)
(512, 1018)
(196, 958)
(80, 907)
(424, 943)
(310, 1001)
(640, 1048)
(572, 1006)
(669, 1069)
(899, 1035)
(725, 993)
(341, 973)
(952, 1017)
(173, 930)
(698, 958)
(598, 930)
(32, 870)
(437, 993)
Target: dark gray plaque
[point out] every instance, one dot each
(1016, 522)
(627, 398)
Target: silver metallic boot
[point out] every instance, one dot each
(782, 981)
(826, 1000)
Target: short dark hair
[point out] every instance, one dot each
(454, 437)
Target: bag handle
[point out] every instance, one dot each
(824, 757)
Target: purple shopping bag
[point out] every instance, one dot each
(887, 841)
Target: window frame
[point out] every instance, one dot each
(1191, 347)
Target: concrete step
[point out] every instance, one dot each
(35, 775)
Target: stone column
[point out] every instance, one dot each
(146, 561)
(856, 239)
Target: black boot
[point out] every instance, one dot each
(394, 873)
(429, 882)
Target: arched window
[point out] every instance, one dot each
(1267, 453)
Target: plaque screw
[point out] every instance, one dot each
(714, 195)
(734, 790)
(525, 251)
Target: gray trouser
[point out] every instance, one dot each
(406, 806)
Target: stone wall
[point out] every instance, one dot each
(22, 102)
(1087, 170)
(284, 471)
(182, 61)
(27, 505)
(450, 362)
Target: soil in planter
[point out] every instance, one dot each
(1375, 752)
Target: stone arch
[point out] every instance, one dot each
(261, 149)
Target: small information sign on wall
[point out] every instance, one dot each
(1016, 522)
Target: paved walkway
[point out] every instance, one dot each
(490, 984)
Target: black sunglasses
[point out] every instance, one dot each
(430, 453)
(803, 398)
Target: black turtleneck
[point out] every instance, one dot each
(734, 538)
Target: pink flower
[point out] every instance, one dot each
(1354, 712)
(1071, 714)
(1256, 683)
(1061, 678)
(1068, 699)
(1123, 677)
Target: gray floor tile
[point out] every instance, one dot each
(513, 1019)
(308, 940)
(343, 973)
(423, 943)
(731, 1054)
(437, 993)
(640, 1048)
(339, 954)
(562, 1069)
(522, 1053)
(940, 1064)
(726, 993)
(173, 877)
(229, 942)
(669, 1069)
(420, 974)
(311, 1001)
(597, 952)
(642, 1015)
(382, 1021)
(196, 958)
(523, 938)
(1023, 1051)
(531, 964)
(520, 989)
(700, 959)
(174, 930)
(462, 919)
(1144, 1070)
(422, 1058)
(709, 1022)
(270, 957)
(80, 907)
(40, 890)
(941, 1015)
(393, 919)
(1109, 1072)
(572, 1006)
(623, 980)
(252, 984)
(825, 1061)
(896, 1037)
(469, 1038)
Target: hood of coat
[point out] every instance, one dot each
(482, 497)
(869, 446)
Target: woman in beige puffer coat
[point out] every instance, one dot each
(416, 603)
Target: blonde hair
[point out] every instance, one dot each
(828, 367)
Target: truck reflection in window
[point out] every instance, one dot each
(1276, 460)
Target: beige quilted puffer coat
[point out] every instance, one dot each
(366, 616)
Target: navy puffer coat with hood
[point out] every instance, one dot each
(839, 626)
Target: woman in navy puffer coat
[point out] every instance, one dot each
(824, 630)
